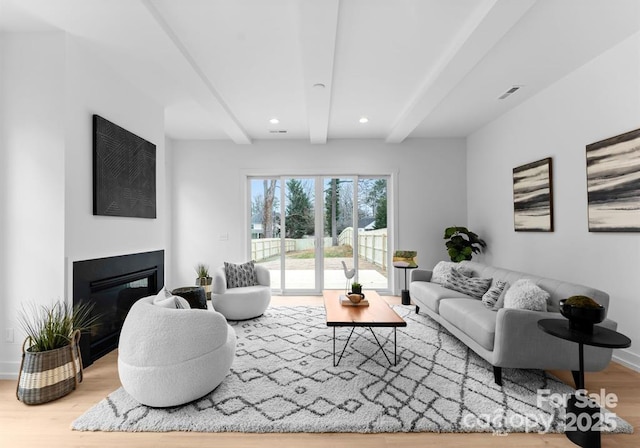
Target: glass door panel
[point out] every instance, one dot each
(338, 236)
(265, 227)
(373, 244)
(299, 238)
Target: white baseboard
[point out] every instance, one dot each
(9, 370)
(627, 359)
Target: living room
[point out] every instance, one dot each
(53, 80)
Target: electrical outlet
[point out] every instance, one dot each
(8, 335)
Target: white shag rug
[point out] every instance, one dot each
(283, 380)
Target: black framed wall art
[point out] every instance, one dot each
(533, 197)
(613, 183)
(124, 172)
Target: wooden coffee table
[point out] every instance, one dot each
(377, 314)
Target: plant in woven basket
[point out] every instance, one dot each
(204, 279)
(51, 364)
(52, 327)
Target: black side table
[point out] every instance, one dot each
(601, 337)
(406, 300)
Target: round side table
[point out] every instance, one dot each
(601, 337)
(406, 299)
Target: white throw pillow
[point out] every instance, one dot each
(526, 295)
(442, 270)
(165, 299)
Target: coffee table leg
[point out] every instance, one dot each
(335, 364)
(380, 345)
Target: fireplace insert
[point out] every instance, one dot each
(112, 285)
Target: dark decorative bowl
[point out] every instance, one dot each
(582, 318)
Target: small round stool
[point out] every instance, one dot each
(195, 295)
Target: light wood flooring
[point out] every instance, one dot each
(48, 425)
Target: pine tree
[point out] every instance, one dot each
(299, 211)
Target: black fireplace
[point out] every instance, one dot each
(113, 284)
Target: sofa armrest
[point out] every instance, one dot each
(219, 281)
(520, 342)
(421, 275)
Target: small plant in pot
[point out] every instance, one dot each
(204, 279)
(356, 288)
(462, 243)
(51, 364)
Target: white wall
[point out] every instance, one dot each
(209, 191)
(32, 173)
(50, 88)
(597, 101)
(94, 89)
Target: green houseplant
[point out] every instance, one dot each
(462, 243)
(204, 280)
(51, 363)
(356, 288)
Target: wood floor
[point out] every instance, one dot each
(48, 425)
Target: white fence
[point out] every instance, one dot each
(372, 245)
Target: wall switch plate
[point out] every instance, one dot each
(224, 237)
(8, 335)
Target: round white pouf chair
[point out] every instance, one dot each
(169, 356)
(244, 302)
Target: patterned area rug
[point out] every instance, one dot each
(283, 380)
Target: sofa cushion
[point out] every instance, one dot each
(472, 286)
(471, 317)
(442, 270)
(240, 275)
(166, 299)
(430, 294)
(526, 295)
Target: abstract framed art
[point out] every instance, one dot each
(613, 183)
(124, 172)
(533, 197)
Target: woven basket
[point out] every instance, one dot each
(47, 376)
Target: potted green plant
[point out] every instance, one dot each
(462, 243)
(51, 364)
(204, 279)
(356, 288)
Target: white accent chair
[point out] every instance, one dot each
(242, 303)
(168, 356)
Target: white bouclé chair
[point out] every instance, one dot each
(241, 303)
(168, 356)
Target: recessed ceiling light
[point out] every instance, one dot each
(363, 120)
(274, 121)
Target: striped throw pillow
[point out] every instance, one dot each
(471, 286)
(490, 298)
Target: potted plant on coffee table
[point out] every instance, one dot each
(51, 364)
(204, 279)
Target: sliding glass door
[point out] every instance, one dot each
(306, 230)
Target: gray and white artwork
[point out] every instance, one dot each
(532, 197)
(613, 183)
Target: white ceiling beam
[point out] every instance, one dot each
(491, 21)
(318, 29)
(203, 89)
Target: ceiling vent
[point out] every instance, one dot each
(277, 131)
(509, 92)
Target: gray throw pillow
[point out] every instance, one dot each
(240, 275)
(474, 286)
(490, 298)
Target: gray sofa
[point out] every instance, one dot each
(509, 338)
